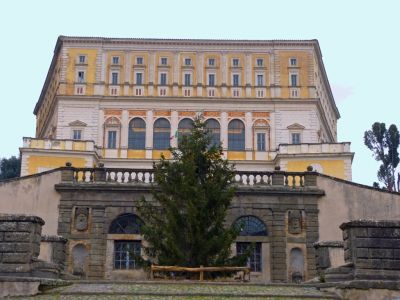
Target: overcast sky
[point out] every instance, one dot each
(360, 42)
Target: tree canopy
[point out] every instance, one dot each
(384, 144)
(10, 167)
(192, 192)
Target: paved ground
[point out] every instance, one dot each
(179, 291)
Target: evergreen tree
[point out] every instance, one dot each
(184, 223)
(10, 167)
(384, 144)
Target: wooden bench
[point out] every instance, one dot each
(201, 270)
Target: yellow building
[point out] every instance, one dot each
(123, 102)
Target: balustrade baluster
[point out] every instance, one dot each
(122, 177)
(301, 180)
(136, 177)
(91, 177)
(84, 176)
(286, 179)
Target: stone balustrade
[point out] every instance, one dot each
(66, 144)
(146, 176)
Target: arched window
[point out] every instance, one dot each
(126, 251)
(137, 134)
(213, 128)
(112, 128)
(251, 226)
(162, 134)
(185, 127)
(236, 135)
(126, 224)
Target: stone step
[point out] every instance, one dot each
(187, 290)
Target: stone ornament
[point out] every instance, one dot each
(81, 218)
(295, 221)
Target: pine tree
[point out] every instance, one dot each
(184, 222)
(10, 167)
(384, 144)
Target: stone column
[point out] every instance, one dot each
(224, 69)
(174, 127)
(149, 134)
(224, 131)
(200, 75)
(249, 135)
(152, 62)
(124, 133)
(279, 268)
(127, 72)
(100, 129)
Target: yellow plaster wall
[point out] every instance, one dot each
(333, 168)
(157, 154)
(73, 54)
(136, 154)
(36, 162)
(302, 67)
(236, 155)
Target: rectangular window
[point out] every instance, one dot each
(235, 62)
(293, 62)
(260, 62)
(77, 134)
(187, 80)
(211, 79)
(115, 60)
(126, 253)
(81, 76)
(293, 79)
(114, 78)
(188, 61)
(82, 59)
(164, 61)
(139, 60)
(211, 61)
(139, 80)
(163, 79)
(260, 141)
(112, 140)
(254, 261)
(235, 79)
(296, 138)
(260, 80)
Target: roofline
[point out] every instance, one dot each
(56, 51)
(325, 77)
(103, 40)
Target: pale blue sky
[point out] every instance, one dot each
(360, 43)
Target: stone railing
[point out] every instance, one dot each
(314, 148)
(146, 176)
(53, 144)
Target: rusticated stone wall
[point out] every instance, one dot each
(373, 247)
(20, 238)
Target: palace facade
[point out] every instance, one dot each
(123, 102)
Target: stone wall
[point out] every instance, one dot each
(33, 195)
(52, 249)
(328, 254)
(19, 244)
(290, 214)
(345, 201)
(373, 248)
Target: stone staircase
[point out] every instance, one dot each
(99, 290)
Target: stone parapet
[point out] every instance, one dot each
(327, 254)
(371, 252)
(20, 237)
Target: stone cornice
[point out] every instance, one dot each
(188, 42)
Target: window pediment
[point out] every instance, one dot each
(77, 123)
(296, 126)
